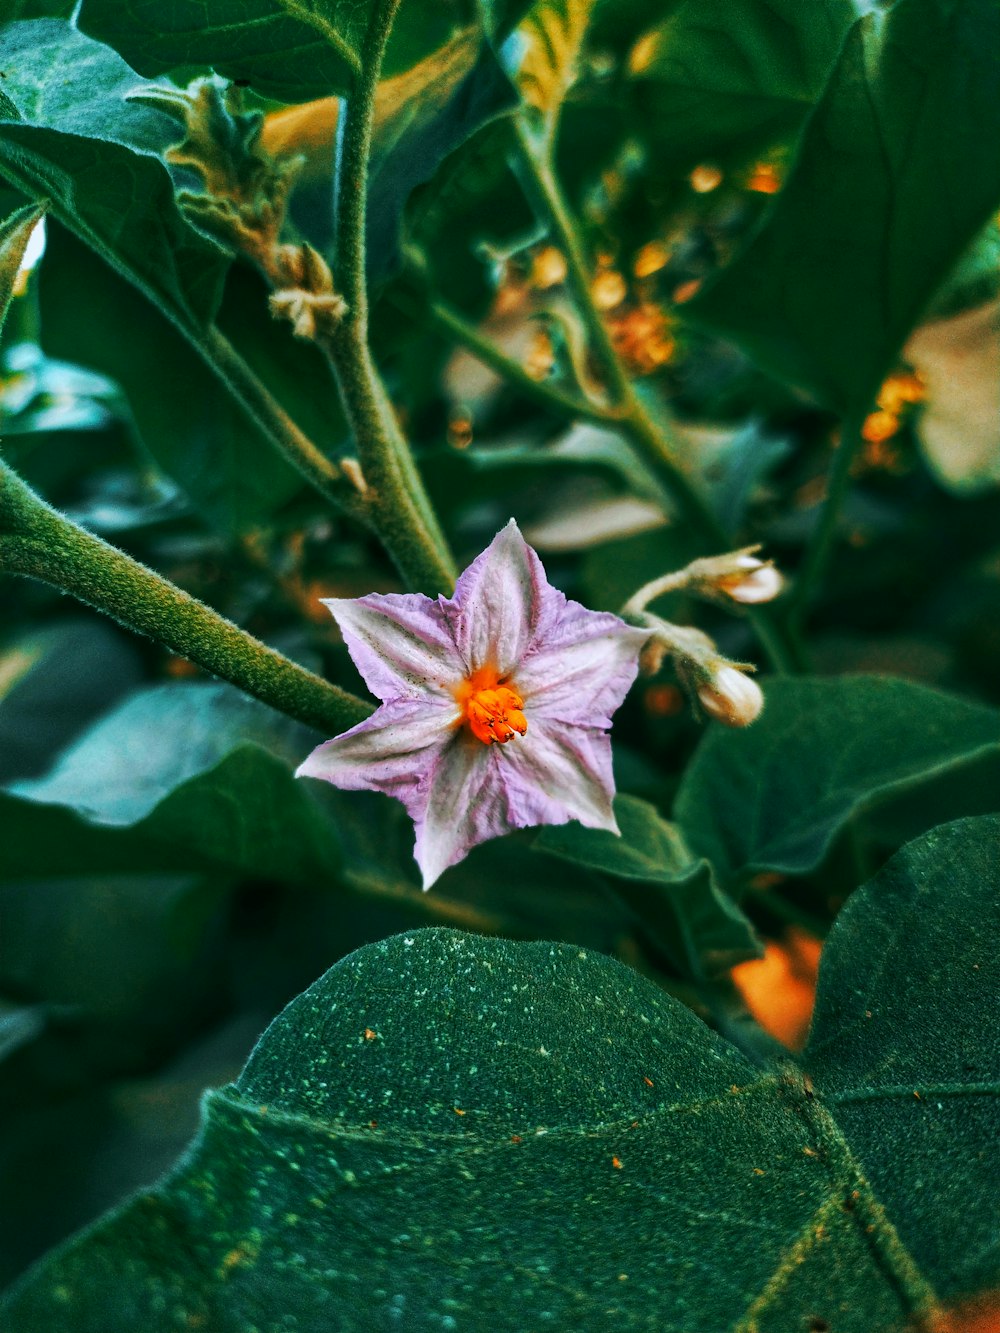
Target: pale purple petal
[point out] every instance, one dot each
(501, 602)
(393, 751)
(465, 806)
(401, 644)
(555, 774)
(478, 792)
(571, 666)
(579, 669)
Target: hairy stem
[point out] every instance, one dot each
(397, 503)
(38, 542)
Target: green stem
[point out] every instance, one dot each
(549, 395)
(820, 546)
(397, 503)
(268, 414)
(38, 542)
(543, 188)
(628, 413)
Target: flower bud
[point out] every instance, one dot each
(731, 697)
(752, 581)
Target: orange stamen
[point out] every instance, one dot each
(491, 707)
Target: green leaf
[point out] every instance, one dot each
(774, 797)
(905, 1052)
(673, 893)
(42, 841)
(288, 50)
(717, 82)
(94, 159)
(545, 55)
(15, 233)
(292, 50)
(53, 681)
(200, 437)
(203, 768)
(449, 1132)
(100, 944)
(420, 117)
(860, 238)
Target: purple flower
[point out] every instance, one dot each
(495, 704)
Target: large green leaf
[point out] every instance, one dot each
(673, 892)
(53, 681)
(717, 81)
(896, 173)
(773, 797)
(200, 438)
(448, 1132)
(201, 767)
(916, 954)
(420, 117)
(292, 50)
(94, 157)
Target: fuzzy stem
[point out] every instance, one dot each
(398, 506)
(38, 542)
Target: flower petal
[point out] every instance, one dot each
(478, 792)
(580, 667)
(465, 806)
(500, 603)
(392, 751)
(401, 644)
(556, 774)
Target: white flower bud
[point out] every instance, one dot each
(731, 697)
(752, 581)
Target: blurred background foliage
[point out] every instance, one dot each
(165, 885)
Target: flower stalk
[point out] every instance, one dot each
(717, 686)
(38, 542)
(736, 578)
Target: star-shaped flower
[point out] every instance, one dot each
(495, 704)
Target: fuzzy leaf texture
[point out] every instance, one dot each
(292, 50)
(451, 1132)
(95, 160)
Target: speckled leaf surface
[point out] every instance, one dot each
(453, 1133)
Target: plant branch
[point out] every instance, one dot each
(628, 413)
(38, 542)
(483, 349)
(271, 418)
(820, 548)
(397, 503)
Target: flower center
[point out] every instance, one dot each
(491, 707)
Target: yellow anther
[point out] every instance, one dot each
(491, 708)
